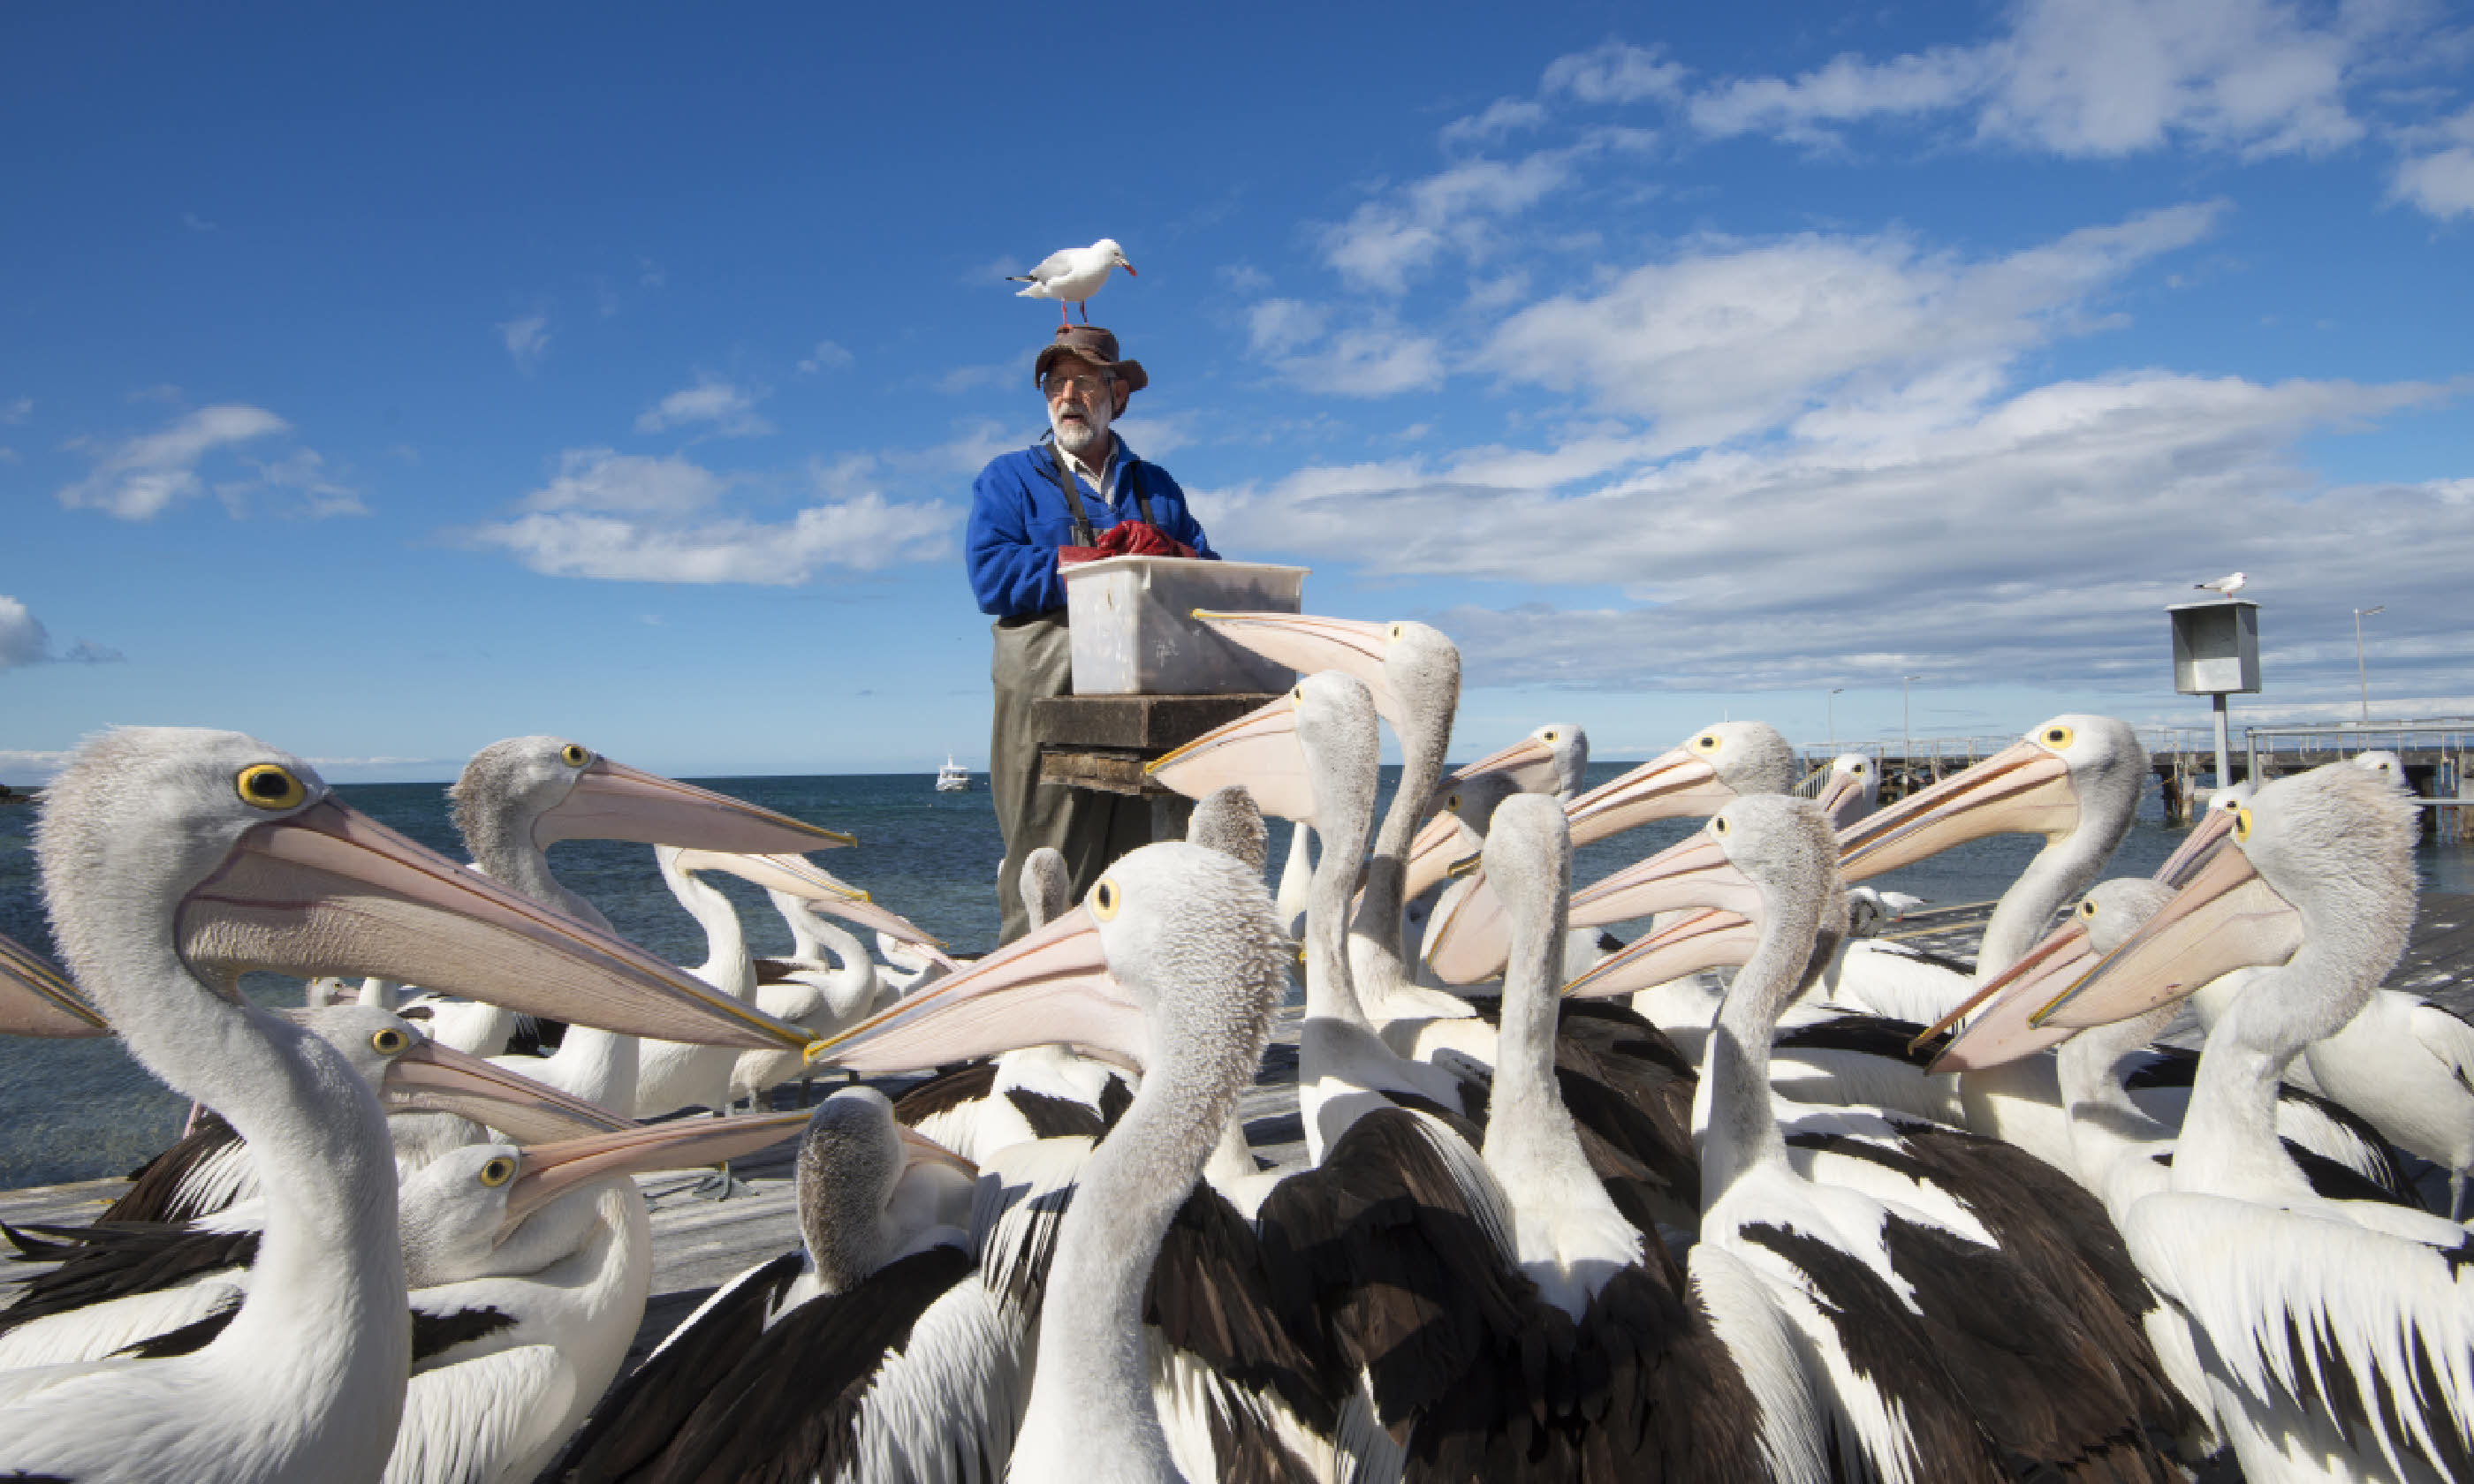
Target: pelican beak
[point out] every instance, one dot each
(2002, 1032)
(613, 802)
(1529, 763)
(1675, 783)
(1051, 986)
(548, 1171)
(918, 1148)
(1307, 645)
(2225, 918)
(1708, 939)
(1840, 792)
(329, 890)
(431, 1078)
(1444, 844)
(2022, 789)
(2205, 838)
(1694, 871)
(1259, 749)
(38, 999)
(795, 875)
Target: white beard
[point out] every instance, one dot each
(1085, 438)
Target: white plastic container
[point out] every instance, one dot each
(1133, 635)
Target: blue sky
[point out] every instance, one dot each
(384, 385)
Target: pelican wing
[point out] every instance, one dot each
(2310, 1313)
(470, 1422)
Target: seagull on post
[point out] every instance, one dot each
(2223, 586)
(1071, 276)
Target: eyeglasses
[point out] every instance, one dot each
(1088, 386)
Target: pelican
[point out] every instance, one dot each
(1852, 789)
(166, 852)
(1719, 763)
(1552, 759)
(517, 798)
(2383, 1385)
(1894, 1299)
(1175, 950)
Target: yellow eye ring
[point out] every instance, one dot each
(267, 785)
(2087, 910)
(575, 754)
(1105, 898)
(387, 1040)
(2242, 824)
(1296, 695)
(1392, 633)
(2056, 737)
(496, 1171)
(1706, 742)
(1718, 826)
(1548, 735)
(1453, 804)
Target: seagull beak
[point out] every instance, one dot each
(1128, 268)
(549, 1171)
(329, 890)
(431, 1078)
(2022, 789)
(1308, 645)
(1708, 939)
(2003, 1032)
(795, 875)
(1051, 987)
(1470, 943)
(613, 802)
(2225, 918)
(2203, 841)
(1259, 749)
(38, 999)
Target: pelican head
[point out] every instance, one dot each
(2002, 1030)
(2071, 768)
(1226, 820)
(550, 789)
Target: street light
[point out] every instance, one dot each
(2361, 674)
(1906, 729)
(1834, 718)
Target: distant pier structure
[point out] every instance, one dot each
(2434, 752)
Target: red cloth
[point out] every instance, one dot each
(1126, 538)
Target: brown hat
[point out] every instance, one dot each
(1092, 343)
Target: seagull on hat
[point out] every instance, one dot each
(1071, 276)
(2226, 586)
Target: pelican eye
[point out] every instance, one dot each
(266, 786)
(1105, 898)
(1548, 735)
(497, 1170)
(2242, 824)
(1706, 742)
(1719, 825)
(575, 754)
(387, 1040)
(1453, 804)
(2056, 737)
(1392, 633)
(2087, 910)
(1296, 695)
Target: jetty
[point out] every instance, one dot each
(699, 1244)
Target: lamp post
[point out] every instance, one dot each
(1906, 729)
(2361, 674)
(1834, 718)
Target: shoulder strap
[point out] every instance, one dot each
(1134, 482)
(1084, 534)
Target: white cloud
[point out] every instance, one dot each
(827, 356)
(1245, 278)
(1725, 340)
(1388, 240)
(13, 413)
(298, 485)
(970, 379)
(1847, 90)
(729, 410)
(1502, 117)
(2438, 176)
(22, 763)
(25, 641)
(139, 478)
(527, 340)
(2031, 540)
(621, 519)
(1614, 72)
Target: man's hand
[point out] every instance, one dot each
(1126, 538)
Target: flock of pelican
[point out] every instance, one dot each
(1754, 1196)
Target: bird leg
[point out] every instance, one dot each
(1064, 321)
(1087, 311)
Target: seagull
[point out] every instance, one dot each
(1071, 276)
(2224, 586)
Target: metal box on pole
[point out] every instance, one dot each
(2215, 654)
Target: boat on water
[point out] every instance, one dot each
(953, 778)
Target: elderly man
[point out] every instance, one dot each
(1075, 494)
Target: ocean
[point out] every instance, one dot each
(78, 1110)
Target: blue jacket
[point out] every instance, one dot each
(1019, 518)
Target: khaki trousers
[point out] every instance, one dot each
(1034, 658)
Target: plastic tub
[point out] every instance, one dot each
(1133, 635)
